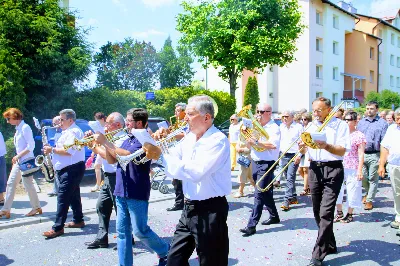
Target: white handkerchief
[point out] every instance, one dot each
(247, 123)
(318, 136)
(162, 124)
(143, 136)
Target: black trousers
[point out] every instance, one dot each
(262, 198)
(69, 193)
(105, 204)
(179, 198)
(325, 182)
(202, 226)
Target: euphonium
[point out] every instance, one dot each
(256, 132)
(165, 144)
(80, 143)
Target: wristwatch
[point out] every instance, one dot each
(256, 142)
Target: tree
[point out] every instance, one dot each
(175, 71)
(235, 35)
(42, 55)
(127, 65)
(251, 93)
(385, 99)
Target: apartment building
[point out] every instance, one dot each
(387, 27)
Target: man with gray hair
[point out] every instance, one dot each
(290, 133)
(201, 160)
(70, 167)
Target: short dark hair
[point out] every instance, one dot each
(373, 103)
(99, 115)
(353, 115)
(139, 114)
(326, 101)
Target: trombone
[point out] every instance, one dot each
(307, 139)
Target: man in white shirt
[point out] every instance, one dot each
(202, 162)
(326, 175)
(390, 153)
(261, 162)
(106, 199)
(234, 131)
(290, 133)
(70, 168)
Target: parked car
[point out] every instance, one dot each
(50, 133)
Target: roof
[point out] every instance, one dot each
(338, 7)
(371, 35)
(387, 14)
(381, 20)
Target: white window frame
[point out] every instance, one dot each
(318, 47)
(392, 38)
(318, 18)
(398, 42)
(335, 97)
(335, 73)
(318, 73)
(398, 61)
(380, 79)
(398, 82)
(371, 76)
(372, 53)
(392, 60)
(335, 18)
(380, 57)
(318, 94)
(391, 81)
(335, 50)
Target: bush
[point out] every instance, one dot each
(251, 93)
(10, 153)
(385, 99)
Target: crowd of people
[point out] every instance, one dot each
(348, 153)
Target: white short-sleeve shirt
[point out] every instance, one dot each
(391, 141)
(274, 137)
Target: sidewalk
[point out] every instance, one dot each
(21, 205)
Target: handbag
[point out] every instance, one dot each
(28, 167)
(244, 161)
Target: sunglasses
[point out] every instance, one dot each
(347, 119)
(285, 116)
(262, 112)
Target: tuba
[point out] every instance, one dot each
(256, 132)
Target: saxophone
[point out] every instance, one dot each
(44, 161)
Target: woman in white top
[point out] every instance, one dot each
(305, 162)
(3, 174)
(24, 144)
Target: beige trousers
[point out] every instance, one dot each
(394, 173)
(13, 181)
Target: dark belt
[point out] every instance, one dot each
(371, 152)
(70, 166)
(262, 162)
(330, 163)
(201, 202)
(289, 154)
(110, 174)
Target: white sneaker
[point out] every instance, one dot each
(95, 188)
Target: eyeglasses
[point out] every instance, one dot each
(262, 111)
(285, 116)
(348, 119)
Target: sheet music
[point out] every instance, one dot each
(143, 136)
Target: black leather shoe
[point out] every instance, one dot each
(97, 244)
(133, 241)
(271, 221)
(315, 262)
(332, 251)
(248, 231)
(175, 208)
(398, 233)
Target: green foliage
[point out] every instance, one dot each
(10, 152)
(385, 99)
(236, 35)
(107, 101)
(127, 65)
(42, 54)
(251, 93)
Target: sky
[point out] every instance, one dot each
(154, 20)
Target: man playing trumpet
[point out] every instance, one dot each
(326, 175)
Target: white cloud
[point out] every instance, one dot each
(158, 3)
(121, 5)
(148, 33)
(383, 5)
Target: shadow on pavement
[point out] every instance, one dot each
(4, 260)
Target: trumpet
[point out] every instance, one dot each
(78, 144)
(307, 139)
(165, 144)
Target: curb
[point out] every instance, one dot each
(44, 219)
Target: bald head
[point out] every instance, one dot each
(116, 118)
(263, 113)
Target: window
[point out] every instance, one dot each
(334, 99)
(318, 18)
(371, 53)
(335, 22)
(318, 43)
(392, 60)
(371, 76)
(335, 47)
(391, 81)
(398, 42)
(318, 94)
(380, 34)
(398, 82)
(380, 57)
(392, 38)
(380, 79)
(319, 72)
(398, 61)
(335, 73)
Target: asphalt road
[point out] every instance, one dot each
(368, 240)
